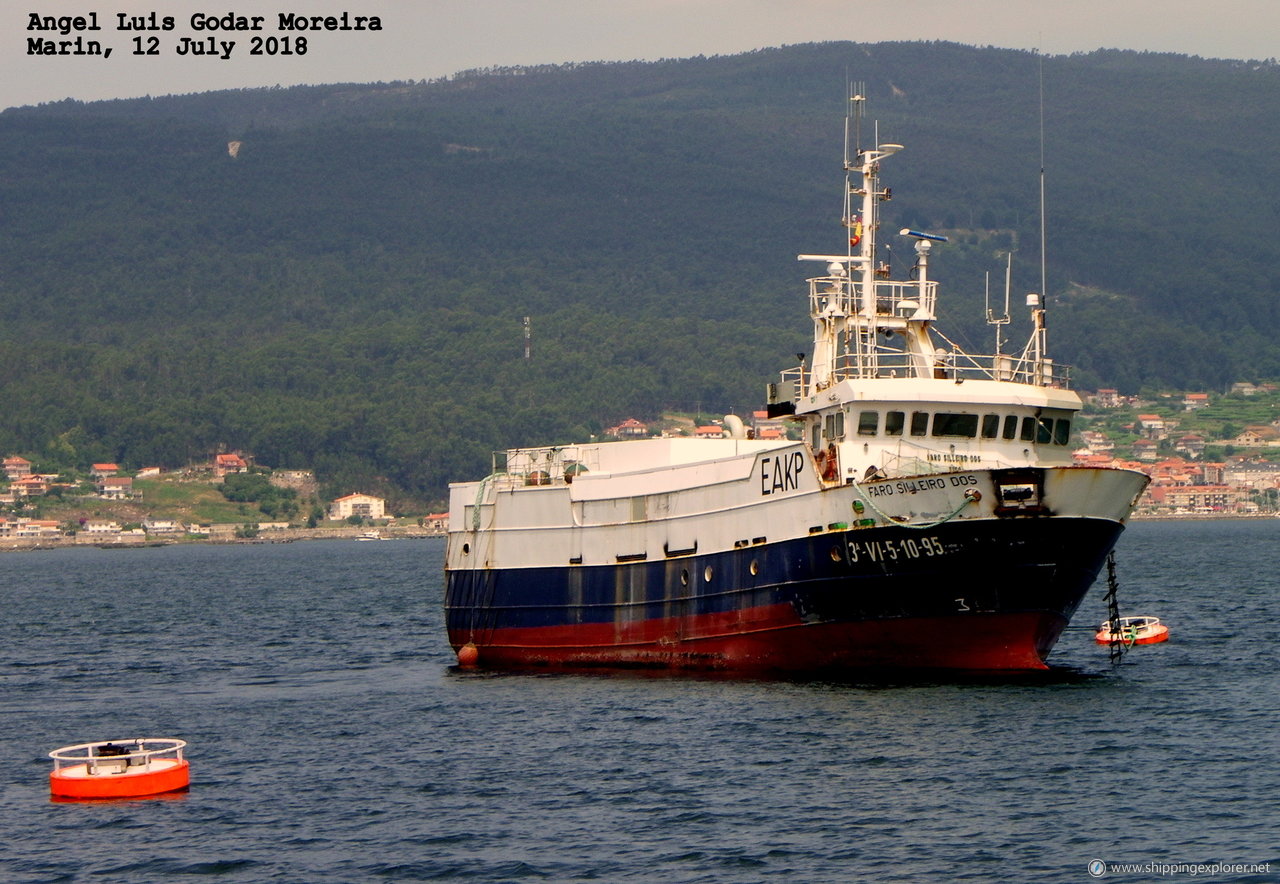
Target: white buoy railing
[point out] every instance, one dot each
(117, 755)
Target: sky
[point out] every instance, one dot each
(429, 39)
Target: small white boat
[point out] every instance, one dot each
(1140, 630)
(371, 535)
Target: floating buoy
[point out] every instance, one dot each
(1141, 630)
(119, 769)
(468, 655)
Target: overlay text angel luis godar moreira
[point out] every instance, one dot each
(199, 34)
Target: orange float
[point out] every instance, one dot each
(1141, 630)
(119, 769)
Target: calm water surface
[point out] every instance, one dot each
(331, 740)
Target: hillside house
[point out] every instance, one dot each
(1108, 398)
(30, 528)
(437, 523)
(1194, 401)
(1152, 426)
(100, 526)
(1191, 445)
(1145, 450)
(115, 487)
(364, 505)
(1258, 437)
(30, 486)
(1097, 443)
(16, 467)
(229, 463)
(766, 427)
(102, 470)
(162, 526)
(628, 429)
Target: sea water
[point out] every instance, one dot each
(332, 740)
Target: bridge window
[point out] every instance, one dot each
(1044, 430)
(1010, 426)
(919, 423)
(835, 426)
(869, 423)
(1028, 429)
(893, 423)
(951, 424)
(990, 426)
(1061, 431)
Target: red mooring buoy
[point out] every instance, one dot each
(119, 769)
(468, 655)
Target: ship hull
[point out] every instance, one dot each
(974, 595)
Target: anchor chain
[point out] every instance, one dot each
(1118, 645)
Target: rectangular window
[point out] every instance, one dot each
(950, 424)
(869, 423)
(816, 434)
(893, 423)
(919, 423)
(1044, 430)
(1010, 426)
(1061, 431)
(1028, 429)
(839, 425)
(990, 426)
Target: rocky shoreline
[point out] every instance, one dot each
(282, 535)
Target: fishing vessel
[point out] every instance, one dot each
(925, 514)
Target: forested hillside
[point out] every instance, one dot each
(347, 292)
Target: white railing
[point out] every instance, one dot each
(951, 365)
(549, 465)
(93, 757)
(899, 298)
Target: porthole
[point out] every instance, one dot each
(684, 578)
(835, 554)
(708, 574)
(466, 549)
(755, 567)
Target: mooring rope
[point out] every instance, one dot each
(475, 510)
